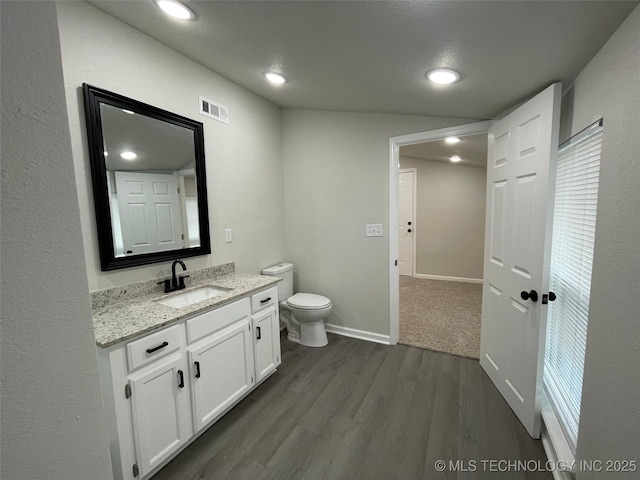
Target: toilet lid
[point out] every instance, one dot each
(308, 301)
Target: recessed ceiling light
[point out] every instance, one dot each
(455, 159)
(127, 111)
(452, 140)
(106, 154)
(443, 76)
(176, 9)
(129, 155)
(275, 78)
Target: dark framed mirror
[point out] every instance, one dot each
(149, 181)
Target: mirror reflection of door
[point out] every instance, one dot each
(151, 181)
(149, 212)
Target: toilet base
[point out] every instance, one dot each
(311, 335)
(305, 327)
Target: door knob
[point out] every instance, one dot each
(532, 295)
(551, 297)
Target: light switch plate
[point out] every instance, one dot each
(228, 236)
(374, 230)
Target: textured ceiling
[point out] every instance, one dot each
(372, 56)
(472, 149)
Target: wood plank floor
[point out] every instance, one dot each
(360, 410)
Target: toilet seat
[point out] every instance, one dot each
(308, 301)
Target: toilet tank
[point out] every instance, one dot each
(284, 271)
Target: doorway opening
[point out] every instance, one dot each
(441, 228)
(425, 187)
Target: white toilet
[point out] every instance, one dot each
(302, 313)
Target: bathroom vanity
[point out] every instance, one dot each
(169, 372)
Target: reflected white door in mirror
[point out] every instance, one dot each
(149, 181)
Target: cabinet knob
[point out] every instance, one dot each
(181, 375)
(259, 333)
(197, 365)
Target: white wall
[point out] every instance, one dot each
(244, 158)
(336, 180)
(609, 87)
(53, 422)
(450, 208)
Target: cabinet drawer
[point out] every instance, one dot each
(152, 347)
(210, 322)
(264, 299)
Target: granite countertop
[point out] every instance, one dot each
(123, 320)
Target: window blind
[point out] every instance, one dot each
(574, 225)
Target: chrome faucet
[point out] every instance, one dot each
(175, 283)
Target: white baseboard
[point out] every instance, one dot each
(448, 279)
(360, 334)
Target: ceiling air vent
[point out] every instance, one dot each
(213, 110)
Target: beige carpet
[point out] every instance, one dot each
(440, 315)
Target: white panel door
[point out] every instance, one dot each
(221, 371)
(161, 412)
(150, 212)
(406, 222)
(266, 333)
(517, 246)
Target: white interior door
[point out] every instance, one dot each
(517, 246)
(149, 207)
(406, 221)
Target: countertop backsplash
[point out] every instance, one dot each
(102, 298)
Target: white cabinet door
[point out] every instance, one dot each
(221, 370)
(161, 413)
(266, 334)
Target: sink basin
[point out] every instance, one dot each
(194, 296)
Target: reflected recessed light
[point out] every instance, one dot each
(455, 159)
(443, 76)
(275, 78)
(176, 9)
(127, 111)
(452, 140)
(106, 154)
(129, 155)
